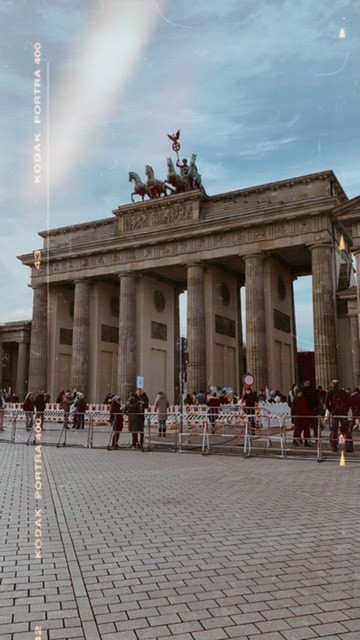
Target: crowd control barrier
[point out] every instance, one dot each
(261, 429)
(269, 430)
(224, 432)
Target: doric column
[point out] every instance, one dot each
(324, 313)
(256, 350)
(239, 284)
(354, 342)
(177, 347)
(295, 363)
(196, 368)
(126, 376)
(21, 370)
(79, 377)
(39, 341)
(356, 253)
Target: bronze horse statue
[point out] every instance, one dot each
(140, 188)
(157, 188)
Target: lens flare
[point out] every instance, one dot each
(95, 78)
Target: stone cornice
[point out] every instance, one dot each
(328, 175)
(141, 235)
(82, 226)
(180, 249)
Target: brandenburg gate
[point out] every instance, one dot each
(106, 292)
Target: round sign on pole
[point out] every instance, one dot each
(248, 379)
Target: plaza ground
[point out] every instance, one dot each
(138, 545)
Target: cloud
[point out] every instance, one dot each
(250, 84)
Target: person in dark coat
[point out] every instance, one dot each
(40, 406)
(79, 411)
(117, 421)
(249, 403)
(144, 403)
(301, 415)
(314, 404)
(355, 408)
(337, 404)
(28, 407)
(65, 404)
(213, 410)
(135, 420)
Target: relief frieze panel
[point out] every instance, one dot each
(163, 216)
(178, 247)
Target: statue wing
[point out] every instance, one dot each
(175, 136)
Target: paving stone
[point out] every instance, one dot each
(148, 561)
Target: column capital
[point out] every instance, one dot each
(196, 263)
(84, 280)
(258, 255)
(321, 244)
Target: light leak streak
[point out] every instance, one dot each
(334, 73)
(110, 50)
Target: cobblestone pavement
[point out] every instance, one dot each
(139, 545)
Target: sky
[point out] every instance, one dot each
(261, 90)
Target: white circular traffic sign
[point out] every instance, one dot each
(248, 379)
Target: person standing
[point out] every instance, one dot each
(65, 404)
(117, 421)
(144, 403)
(300, 413)
(2, 411)
(249, 403)
(337, 404)
(79, 408)
(315, 407)
(40, 406)
(355, 408)
(28, 407)
(161, 406)
(213, 410)
(135, 419)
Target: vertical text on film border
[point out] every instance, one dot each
(37, 114)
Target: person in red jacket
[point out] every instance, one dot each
(337, 404)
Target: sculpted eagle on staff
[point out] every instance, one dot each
(175, 138)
